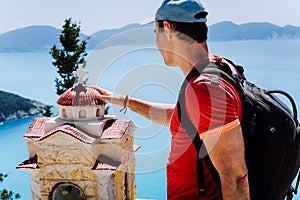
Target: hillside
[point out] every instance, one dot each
(228, 31)
(32, 39)
(14, 106)
(42, 38)
(133, 34)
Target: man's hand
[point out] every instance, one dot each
(114, 98)
(156, 112)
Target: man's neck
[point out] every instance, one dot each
(193, 56)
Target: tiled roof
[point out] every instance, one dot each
(36, 128)
(70, 130)
(136, 147)
(117, 130)
(31, 163)
(36, 131)
(105, 163)
(80, 95)
(102, 166)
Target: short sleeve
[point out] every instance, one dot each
(213, 108)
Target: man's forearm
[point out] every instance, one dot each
(157, 112)
(226, 151)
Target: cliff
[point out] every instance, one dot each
(13, 106)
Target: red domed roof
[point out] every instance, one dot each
(80, 95)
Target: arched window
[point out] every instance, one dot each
(82, 114)
(98, 112)
(64, 113)
(67, 191)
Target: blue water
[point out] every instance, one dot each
(270, 64)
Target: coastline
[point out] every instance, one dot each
(19, 115)
(13, 106)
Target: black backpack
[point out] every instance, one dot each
(271, 134)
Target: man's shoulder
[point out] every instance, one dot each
(198, 86)
(208, 84)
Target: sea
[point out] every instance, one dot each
(139, 72)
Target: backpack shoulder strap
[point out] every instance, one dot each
(216, 71)
(224, 71)
(192, 131)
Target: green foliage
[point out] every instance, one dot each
(106, 111)
(46, 111)
(5, 194)
(2, 176)
(66, 60)
(11, 103)
(9, 195)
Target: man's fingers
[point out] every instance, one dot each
(101, 90)
(105, 97)
(104, 92)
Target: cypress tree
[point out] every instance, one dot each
(66, 60)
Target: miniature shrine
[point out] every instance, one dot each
(81, 154)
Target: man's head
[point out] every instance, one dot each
(187, 17)
(188, 11)
(181, 31)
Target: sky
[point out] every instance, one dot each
(96, 15)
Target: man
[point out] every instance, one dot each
(214, 109)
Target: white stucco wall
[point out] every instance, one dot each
(73, 112)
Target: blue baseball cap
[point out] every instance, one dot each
(188, 11)
(181, 11)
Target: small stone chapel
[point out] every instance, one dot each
(81, 154)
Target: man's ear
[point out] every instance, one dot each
(168, 25)
(168, 29)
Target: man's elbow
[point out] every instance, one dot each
(237, 176)
(242, 180)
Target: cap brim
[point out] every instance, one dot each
(147, 21)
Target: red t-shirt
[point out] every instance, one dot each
(213, 109)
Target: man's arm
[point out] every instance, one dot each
(226, 152)
(157, 112)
